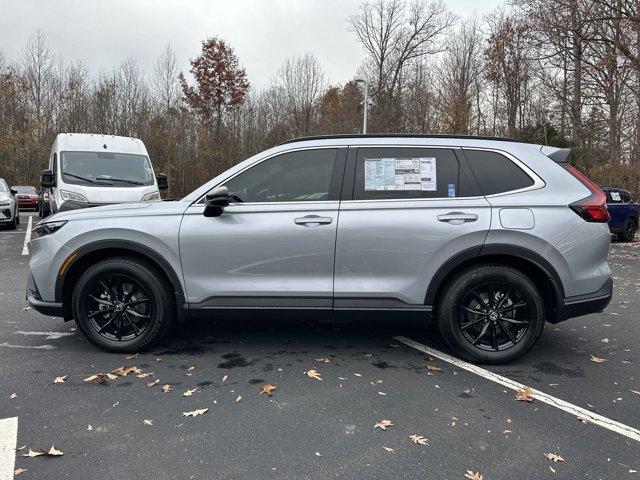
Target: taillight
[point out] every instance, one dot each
(594, 207)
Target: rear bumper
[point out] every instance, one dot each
(590, 303)
(53, 309)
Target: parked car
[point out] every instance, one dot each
(43, 203)
(624, 212)
(88, 170)
(9, 213)
(27, 197)
(491, 237)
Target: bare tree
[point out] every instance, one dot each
(37, 62)
(164, 80)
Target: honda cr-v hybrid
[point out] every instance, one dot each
(490, 237)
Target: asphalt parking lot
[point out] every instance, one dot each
(311, 428)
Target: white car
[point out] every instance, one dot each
(9, 214)
(89, 170)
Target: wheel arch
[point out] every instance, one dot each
(527, 261)
(100, 250)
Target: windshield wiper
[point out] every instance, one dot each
(132, 182)
(78, 177)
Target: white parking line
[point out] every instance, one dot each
(600, 420)
(8, 438)
(47, 335)
(27, 237)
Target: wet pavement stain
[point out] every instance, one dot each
(550, 368)
(383, 364)
(253, 381)
(235, 360)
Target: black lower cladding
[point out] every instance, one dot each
(589, 303)
(53, 309)
(71, 205)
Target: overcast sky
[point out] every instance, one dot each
(263, 33)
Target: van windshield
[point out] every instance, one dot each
(105, 169)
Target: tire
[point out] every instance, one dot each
(488, 283)
(147, 303)
(628, 230)
(14, 224)
(18, 218)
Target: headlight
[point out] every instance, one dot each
(4, 203)
(47, 228)
(74, 197)
(151, 197)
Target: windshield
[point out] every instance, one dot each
(105, 169)
(3, 187)
(29, 190)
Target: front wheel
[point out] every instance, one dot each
(629, 230)
(491, 314)
(123, 305)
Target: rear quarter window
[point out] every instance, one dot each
(495, 173)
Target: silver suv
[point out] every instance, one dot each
(490, 237)
(9, 213)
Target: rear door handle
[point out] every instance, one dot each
(313, 220)
(457, 218)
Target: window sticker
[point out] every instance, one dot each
(615, 196)
(400, 174)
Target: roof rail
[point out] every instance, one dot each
(397, 135)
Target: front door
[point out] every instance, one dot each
(273, 249)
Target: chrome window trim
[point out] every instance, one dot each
(299, 149)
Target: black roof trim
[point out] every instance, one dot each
(397, 135)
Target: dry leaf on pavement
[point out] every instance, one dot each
(18, 471)
(195, 413)
(313, 374)
(432, 367)
(524, 395)
(147, 422)
(189, 391)
(144, 375)
(238, 399)
(131, 357)
(167, 388)
(473, 476)
(155, 382)
(322, 360)
(89, 428)
(60, 379)
(383, 424)
(32, 454)
(267, 389)
(124, 371)
(390, 450)
(596, 359)
(52, 452)
(418, 439)
(13, 395)
(555, 457)
(224, 379)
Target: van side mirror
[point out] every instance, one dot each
(48, 179)
(215, 202)
(163, 181)
(13, 191)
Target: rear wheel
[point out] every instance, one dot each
(491, 314)
(629, 230)
(123, 305)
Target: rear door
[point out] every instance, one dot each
(616, 208)
(404, 212)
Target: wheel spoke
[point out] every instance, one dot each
(503, 299)
(136, 314)
(485, 327)
(513, 321)
(136, 330)
(107, 290)
(512, 307)
(472, 311)
(508, 332)
(101, 312)
(470, 324)
(479, 299)
(101, 301)
(494, 337)
(104, 327)
(136, 302)
(120, 329)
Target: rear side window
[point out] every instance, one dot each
(626, 198)
(613, 196)
(495, 173)
(402, 173)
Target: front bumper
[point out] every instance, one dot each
(6, 214)
(71, 205)
(590, 303)
(53, 309)
(27, 203)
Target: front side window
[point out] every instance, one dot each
(301, 176)
(105, 169)
(495, 173)
(402, 173)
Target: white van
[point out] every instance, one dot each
(88, 170)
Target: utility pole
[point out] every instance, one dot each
(366, 103)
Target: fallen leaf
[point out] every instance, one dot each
(267, 389)
(418, 439)
(382, 393)
(158, 359)
(21, 448)
(473, 476)
(322, 360)
(13, 395)
(26, 308)
(605, 340)
(167, 388)
(635, 391)
(188, 392)
(195, 413)
(524, 395)
(147, 422)
(89, 428)
(155, 382)
(32, 454)
(313, 374)
(432, 367)
(144, 375)
(60, 379)
(318, 454)
(383, 424)
(238, 399)
(595, 359)
(583, 420)
(553, 470)
(390, 450)
(357, 375)
(124, 371)
(131, 357)
(18, 471)
(224, 379)
(555, 457)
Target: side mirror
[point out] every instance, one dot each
(48, 179)
(13, 192)
(163, 181)
(216, 201)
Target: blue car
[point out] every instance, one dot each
(624, 211)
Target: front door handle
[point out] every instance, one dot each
(313, 220)
(457, 218)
